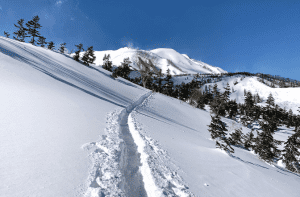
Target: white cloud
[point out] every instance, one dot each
(58, 3)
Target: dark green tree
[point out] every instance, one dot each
(226, 93)
(217, 131)
(62, 48)
(236, 137)
(266, 145)
(32, 28)
(89, 57)
(123, 70)
(51, 45)
(232, 108)
(107, 64)
(270, 101)
(249, 140)
(291, 152)
(6, 34)
(42, 41)
(21, 34)
(77, 53)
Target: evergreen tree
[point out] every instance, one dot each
(89, 57)
(77, 53)
(291, 152)
(51, 45)
(107, 64)
(21, 34)
(257, 98)
(32, 28)
(6, 34)
(232, 108)
(62, 48)
(248, 140)
(236, 137)
(217, 130)
(42, 41)
(226, 93)
(266, 145)
(270, 100)
(125, 68)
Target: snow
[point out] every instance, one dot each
(285, 97)
(72, 130)
(182, 64)
(206, 170)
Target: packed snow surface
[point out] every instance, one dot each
(71, 130)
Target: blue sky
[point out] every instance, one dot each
(252, 36)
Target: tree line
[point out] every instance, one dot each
(31, 30)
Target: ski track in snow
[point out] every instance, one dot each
(127, 163)
(167, 181)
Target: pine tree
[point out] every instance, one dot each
(226, 93)
(107, 64)
(21, 34)
(291, 152)
(270, 100)
(42, 41)
(6, 34)
(89, 57)
(248, 140)
(125, 68)
(51, 45)
(32, 28)
(289, 119)
(266, 145)
(77, 53)
(232, 108)
(217, 130)
(236, 137)
(62, 48)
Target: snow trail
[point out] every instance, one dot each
(115, 158)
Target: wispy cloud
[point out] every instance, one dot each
(58, 3)
(0, 7)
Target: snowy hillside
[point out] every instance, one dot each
(287, 98)
(178, 63)
(71, 130)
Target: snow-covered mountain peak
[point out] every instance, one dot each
(163, 58)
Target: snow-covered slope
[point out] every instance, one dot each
(70, 130)
(287, 98)
(178, 64)
(51, 106)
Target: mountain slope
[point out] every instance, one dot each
(178, 64)
(72, 130)
(287, 98)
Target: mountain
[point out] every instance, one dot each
(71, 130)
(163, 58)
